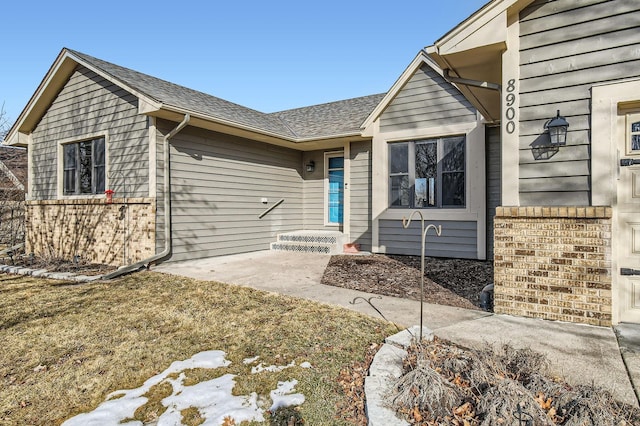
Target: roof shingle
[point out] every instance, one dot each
(313, 122)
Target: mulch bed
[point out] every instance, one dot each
(58, 265)
(452, 282)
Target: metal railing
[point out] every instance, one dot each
(268, 210)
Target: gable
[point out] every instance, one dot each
(88, 105)
(426, 100)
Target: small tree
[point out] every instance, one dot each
(11, 191)
(5, 124)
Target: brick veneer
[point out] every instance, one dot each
(91, 229)
(554, 263)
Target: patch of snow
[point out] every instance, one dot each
(271, 368)
(282, 396)
(213, 398)
(250, 360)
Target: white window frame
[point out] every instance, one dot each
(60, 164)
(411, 165)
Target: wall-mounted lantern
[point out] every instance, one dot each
(311, 166)
(109, 193)
(557, 128)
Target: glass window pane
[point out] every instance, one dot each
(336, 162)
(69, 182)
(635, 127)
(453, 189)
(635, 142)
(98, 152)
(85, 167)
(425, 192)
(98, 166)
(69, 177)
(99, 180)
(400, 194)
(399, 154)
(69, 156)
(453, 154)
(426, 160)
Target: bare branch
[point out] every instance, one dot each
(5, 124)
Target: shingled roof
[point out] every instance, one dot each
(314, 122)
(330, 119)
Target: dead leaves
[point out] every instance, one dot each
(228, 421)
(351, 379)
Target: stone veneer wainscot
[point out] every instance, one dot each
(91, 229)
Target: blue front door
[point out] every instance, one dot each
(335, 194)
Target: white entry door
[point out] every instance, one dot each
(627, 221)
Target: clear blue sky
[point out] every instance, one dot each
(269, 55)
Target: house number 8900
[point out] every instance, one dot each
(510, 112)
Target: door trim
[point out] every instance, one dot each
(607, 126)
(325, 207)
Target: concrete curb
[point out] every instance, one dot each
(43, 273)
(385, 368)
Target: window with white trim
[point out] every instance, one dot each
(84, 167)
(633, 133)
(428, 173)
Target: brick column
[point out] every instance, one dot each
(554, 263)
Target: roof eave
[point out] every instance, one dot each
(200, 120)
(473, 50)
(50, 86)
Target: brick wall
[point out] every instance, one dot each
(554, 263)
(95, 231)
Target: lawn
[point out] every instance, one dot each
(65, 347)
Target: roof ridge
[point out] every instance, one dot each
(84, 55)
(330, 102)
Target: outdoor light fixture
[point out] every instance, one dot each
(311, 166)
(557, 128)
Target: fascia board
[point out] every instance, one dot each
(255, 130)
(50, 86)
(479, 25)
(45, 88)
(151, 103)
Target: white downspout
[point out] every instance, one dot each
(167, 208)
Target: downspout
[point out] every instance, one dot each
(167, 209)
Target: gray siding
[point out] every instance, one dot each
(89, 104)
(565, 47)
(217, 182)
(314, 191)
(360, 190)
(494, 181)
(458, 239)
(427, 100)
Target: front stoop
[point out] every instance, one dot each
(324, 242)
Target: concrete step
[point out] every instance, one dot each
(325, 242)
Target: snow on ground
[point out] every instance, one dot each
(213, 398)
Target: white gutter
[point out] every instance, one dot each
(167, 209)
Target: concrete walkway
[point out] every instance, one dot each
(580, 354)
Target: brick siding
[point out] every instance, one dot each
(554, 263)
(92, 229)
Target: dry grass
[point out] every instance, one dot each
(445, 384)
(65, 347)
